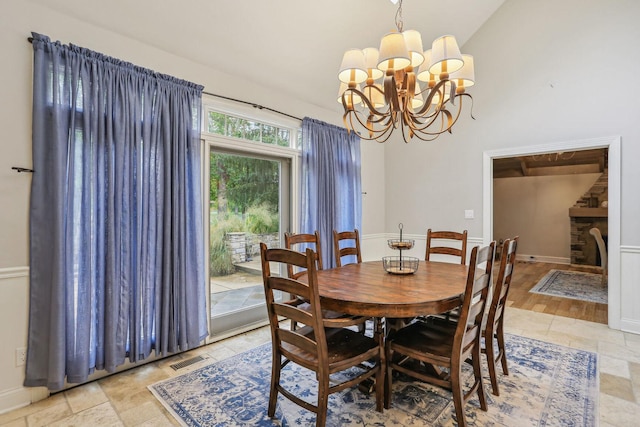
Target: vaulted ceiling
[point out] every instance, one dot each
(293, 46)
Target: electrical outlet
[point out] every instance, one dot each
(21, 356)
(468, 214)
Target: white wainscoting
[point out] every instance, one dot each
(14, 308)
(629, 289)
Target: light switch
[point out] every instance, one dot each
(468, 214)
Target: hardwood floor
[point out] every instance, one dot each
(527, 274)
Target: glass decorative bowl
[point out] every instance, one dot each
(400, 244)
(398, 265)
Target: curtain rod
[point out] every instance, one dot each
(254, 105)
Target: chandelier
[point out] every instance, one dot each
(405, 87)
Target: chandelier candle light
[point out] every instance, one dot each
(392, 95)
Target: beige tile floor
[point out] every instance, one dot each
(124, 400)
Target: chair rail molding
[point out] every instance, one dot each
(13, 272)
(617, 288)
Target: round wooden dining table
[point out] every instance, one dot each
(366, 289)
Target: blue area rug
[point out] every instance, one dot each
(548, 385)
(573, 284)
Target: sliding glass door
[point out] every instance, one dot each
(248, 204)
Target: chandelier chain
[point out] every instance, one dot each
(399, 23)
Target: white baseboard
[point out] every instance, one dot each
(21, 397)
(542, 258)
(630, 325)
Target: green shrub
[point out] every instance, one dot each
(261, 220)
(232, 224)
(220, 260)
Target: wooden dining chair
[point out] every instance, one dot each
(307, 240)
(341, 250)
(494, 323)
(303, 240)
(444, 346)
(322, 350)
(447, 250)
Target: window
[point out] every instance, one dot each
(234, 126)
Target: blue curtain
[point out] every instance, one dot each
(116, 247)
(331, 184)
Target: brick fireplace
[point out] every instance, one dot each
(588, 212)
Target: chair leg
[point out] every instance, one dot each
(458, 397)
(491, 362)
(502, 353)
(323, 400)
(276, 365)
(477, 373)
(388, 379)
(380, 385)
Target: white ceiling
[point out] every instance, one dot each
(288, 45)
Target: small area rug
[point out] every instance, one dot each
(548, 385)
(573, 284)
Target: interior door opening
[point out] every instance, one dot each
(614, 288)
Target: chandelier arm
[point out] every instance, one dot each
(451, 118)
(430, 136)
(345, 104)
(471, 101)
(387, 135)
(427, 103)
(428, 120)
(422, 137)
(461, 95)
(442, 114)
(365, 99)
(418, 132)
(391, 93)
(373, 132)
(404, 136)
(425, 110)
(404, 126)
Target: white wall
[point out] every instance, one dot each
(537, 209)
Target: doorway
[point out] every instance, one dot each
(248, 204)
(613, 145)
